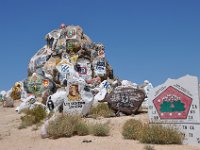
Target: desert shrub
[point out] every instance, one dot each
(67, 126)
(81, 128)
(158, 134)
(131, 129)
(100, 129)
(32, 116)
(149, 147)
(60, 127)
(101, 110)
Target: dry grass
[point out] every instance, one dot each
(82, 128)
(158, 134)
(70, 125)
(67, 126)
(132, 129)
(100, 129)
(33, 116)
(62, 126)
(101, 110)
(151, 134)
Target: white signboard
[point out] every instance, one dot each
(177, 102)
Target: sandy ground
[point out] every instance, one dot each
(11, 138)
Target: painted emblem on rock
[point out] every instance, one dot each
(74, 94)
(71, 34)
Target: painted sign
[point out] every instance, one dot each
(74, 94)
(45, 83)
(172, 104)
(36, 84)
(71, 34)
(84, 68)
(176, 102)
(99, 67)
(69, 45)
(64, 67)
(73, 45)
(190, 133)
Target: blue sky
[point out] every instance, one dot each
(146, 39)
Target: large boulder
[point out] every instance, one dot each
(125, 99)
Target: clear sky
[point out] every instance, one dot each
(144, 39)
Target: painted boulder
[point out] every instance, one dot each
(39, 85)
(29, 103)
(126, 100)
(55, 101)
(79, 98)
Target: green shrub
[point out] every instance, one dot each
(101, 110)
(100, 129)
(81, 129)
(32, 116)
(158, 134)
(132, 129)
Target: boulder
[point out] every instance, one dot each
(125, 99)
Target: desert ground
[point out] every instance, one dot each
(11, 138)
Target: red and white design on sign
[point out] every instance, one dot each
(172, 104)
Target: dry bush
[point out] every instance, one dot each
(101, 110)
(32, 116)
(158, 134)
(100, 129)
(151, 134)
(82, 129)
(132, 129)
(67, 126)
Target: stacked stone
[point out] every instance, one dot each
(70, 74)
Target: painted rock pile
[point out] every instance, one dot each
(70, 74)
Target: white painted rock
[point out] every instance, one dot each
(78, 99)
(55, 101)
(29, 103)
(103, 89)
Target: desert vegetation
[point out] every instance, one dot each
(101, 110)
(32, 117)
(151, 134)
(68, 125)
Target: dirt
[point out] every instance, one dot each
(11, 138)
